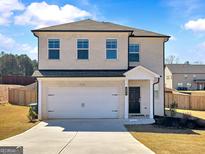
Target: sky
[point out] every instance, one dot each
(183, 20)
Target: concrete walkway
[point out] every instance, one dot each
(88, 136)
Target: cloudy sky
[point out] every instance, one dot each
(184, 20)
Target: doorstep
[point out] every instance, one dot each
(138, 121)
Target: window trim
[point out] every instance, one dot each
(111, 49)
(82, 49)
(134, 53)
(53, 38)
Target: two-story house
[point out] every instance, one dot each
(91, 69)
(185, 76)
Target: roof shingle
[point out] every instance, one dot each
(79, 73)
(91, 25)
(186, 69)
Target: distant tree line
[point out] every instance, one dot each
(175, 60)
(11, 64)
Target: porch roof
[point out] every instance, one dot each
(78, 73)
(141, 73)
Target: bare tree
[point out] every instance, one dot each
(198, 62)
(172, 60)
(186, 62)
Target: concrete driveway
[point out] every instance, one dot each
(88, 136)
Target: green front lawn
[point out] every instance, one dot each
(13, 120)
(169, 140)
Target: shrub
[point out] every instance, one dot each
(32, 116)
(184, 122)
(172, 109)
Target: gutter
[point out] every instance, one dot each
(81, 30)
(158, 79)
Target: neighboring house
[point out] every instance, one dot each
(90, 69)
(185, 76)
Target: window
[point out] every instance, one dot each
(53, 49)
(111, 49)
(188, 85)
(82, 49)
(185, 76)
(134, 52)
(180, 84)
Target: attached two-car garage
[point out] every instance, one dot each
(83, 102)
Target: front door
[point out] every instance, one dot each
(134, 99)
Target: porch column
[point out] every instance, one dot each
(39, 99)
(126, 99)
(151, 100)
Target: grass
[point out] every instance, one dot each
(193, 113)
(197, 114)
(13, 120)
(169, 140)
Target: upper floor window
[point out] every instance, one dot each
(53, 49)
(111, 49)
(134, 52)
(82, 48)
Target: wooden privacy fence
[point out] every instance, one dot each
(3, 94)
(185, 101)
(21, 96)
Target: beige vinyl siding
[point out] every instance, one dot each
(97, 50)
(180, 78)
(151, 57)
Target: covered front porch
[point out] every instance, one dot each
(139, 94)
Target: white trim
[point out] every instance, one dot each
(39, 100)
(134, 52)
(126, 109)
(152, 74)
(83, 79)
(151, 100)
(50, 38)
(106, 50)
(76, 45)
(138, 86)
(139, 78)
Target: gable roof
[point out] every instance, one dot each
(141, 72)
(96, 26)
(186, 69)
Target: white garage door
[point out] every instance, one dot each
(83, 102)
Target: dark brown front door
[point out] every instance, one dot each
(134, 99)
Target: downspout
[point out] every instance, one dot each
(128, 49)
(158, 79)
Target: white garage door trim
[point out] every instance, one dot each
(83, 102)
